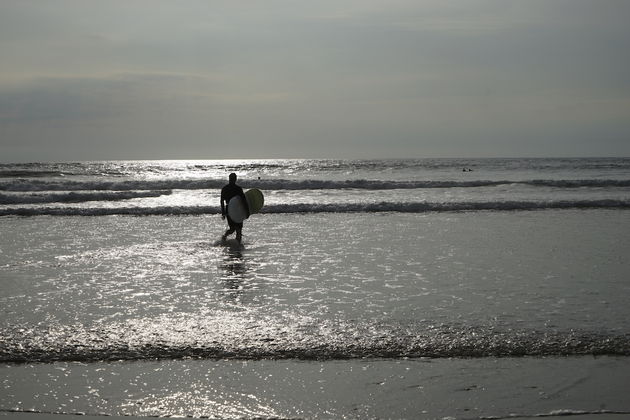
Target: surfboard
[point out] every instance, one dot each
(237, 209)
(255, 200)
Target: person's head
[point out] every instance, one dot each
(232, 178)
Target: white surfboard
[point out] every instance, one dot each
(237, 209)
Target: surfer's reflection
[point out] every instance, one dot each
(234, 274)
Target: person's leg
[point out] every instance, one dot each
(227, 233)
(232, 228)
(239, 232)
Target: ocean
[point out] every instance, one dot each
(426, 288)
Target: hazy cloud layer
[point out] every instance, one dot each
(211, 79)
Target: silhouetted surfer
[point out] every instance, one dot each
(227, 193)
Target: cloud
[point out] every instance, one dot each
(96, 97)
(55, 99)
(307, 78)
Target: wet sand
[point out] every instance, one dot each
(585, 387)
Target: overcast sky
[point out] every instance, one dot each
(207, 79)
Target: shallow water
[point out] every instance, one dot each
(316, 286)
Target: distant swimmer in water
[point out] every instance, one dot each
(227, 193)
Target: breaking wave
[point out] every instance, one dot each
(407, 207)
(78, 196)
(233, 337)
(30, 173)
(284, 184)
(421, 207)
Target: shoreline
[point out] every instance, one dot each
(603, 415)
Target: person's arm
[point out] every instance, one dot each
(222, 204)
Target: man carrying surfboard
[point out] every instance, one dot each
(228, 192)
